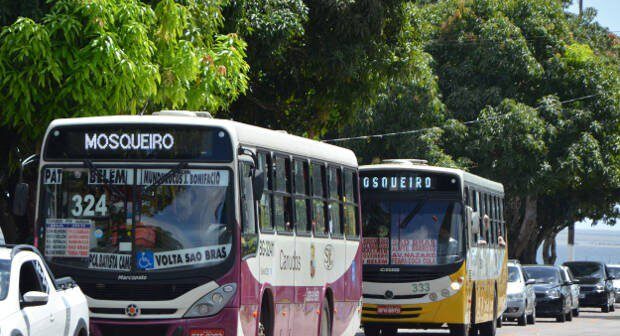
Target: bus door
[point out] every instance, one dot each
(249, 236)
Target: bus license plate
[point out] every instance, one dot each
(388, 310)
(582, 296)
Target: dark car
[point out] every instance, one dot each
(597, 289)
(553, 294)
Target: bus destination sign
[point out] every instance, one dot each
(138, 142)
(407, 181)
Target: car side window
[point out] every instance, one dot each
(30, 279)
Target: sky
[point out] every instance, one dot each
(608, 12)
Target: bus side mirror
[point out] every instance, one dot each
(20, 199)
(258, 183)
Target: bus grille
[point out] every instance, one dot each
(398, 277)
(135, 292)
(406, 313)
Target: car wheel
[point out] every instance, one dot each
(522, 320)
(569, 316)
(605, 309)
(612, 308)
(531, 319)
(561, 318)
(500, 321)
(576, 312)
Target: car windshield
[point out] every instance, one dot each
(586, 270)
(412, 232)
(5, 269)
(513, 274)
(125, 219)
(543, 275)
(614, 272)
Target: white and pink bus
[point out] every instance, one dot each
(180, 224)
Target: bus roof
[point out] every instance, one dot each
(463, 175)
(241, 133)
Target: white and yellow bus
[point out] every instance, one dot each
(433, 250)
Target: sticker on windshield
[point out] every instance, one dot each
(68, 238)
(52, 176)
(110, 176)
(187, 177)
(375, 250)
(414, 251)
(109, 261)
(148, 260)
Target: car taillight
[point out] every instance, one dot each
(206, 332)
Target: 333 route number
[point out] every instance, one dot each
(422, 287)
(88, 205)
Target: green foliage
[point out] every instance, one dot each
(98, 57)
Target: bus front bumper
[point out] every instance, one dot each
(224, 324)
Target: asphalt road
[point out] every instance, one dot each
(590, 322)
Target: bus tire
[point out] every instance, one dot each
(325, 327)
(389, 331)
(490, 328)
(459, 329)
(372, 331)
(265, 324)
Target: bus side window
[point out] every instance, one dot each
(282, 195)
(319, 204)
(266, 202)
(350, 204)
(300, 195)
(476, 206)
(334, 182)
(249, 242)
(466, 196)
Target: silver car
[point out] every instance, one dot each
(567, 276)
(521, 300)
(614, 271)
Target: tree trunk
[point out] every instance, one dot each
(549, 249)
(526, 230)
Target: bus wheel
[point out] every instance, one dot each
(389, 331)
(490, 328)
(265, 325)
(460, 329)
(325, 328)
(371, 331)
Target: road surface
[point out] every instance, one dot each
(590, 322)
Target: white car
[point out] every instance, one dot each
(614, 271)
(32, 302)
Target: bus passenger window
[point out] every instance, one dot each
(334, 187)
(300, 173)
(350, 205)
(266, 201)
(318, 203)
(282, 196)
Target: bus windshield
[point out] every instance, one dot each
(412, 231)
(126, 219)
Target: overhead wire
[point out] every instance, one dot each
(469, 122)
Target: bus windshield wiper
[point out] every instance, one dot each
(113, 188)
(403, 224)
(163, 178)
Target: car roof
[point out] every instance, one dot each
(540, 266)
(613, 265)
(582, 262)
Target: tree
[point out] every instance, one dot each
(315, 63)
(77, 58)
(515, 64)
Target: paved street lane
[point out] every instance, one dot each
(591, 322)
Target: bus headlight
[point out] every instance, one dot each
(213, 302)
(458, 284)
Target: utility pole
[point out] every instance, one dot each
(580, 7)
(571, 242)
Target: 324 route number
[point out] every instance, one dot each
(89, 206)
